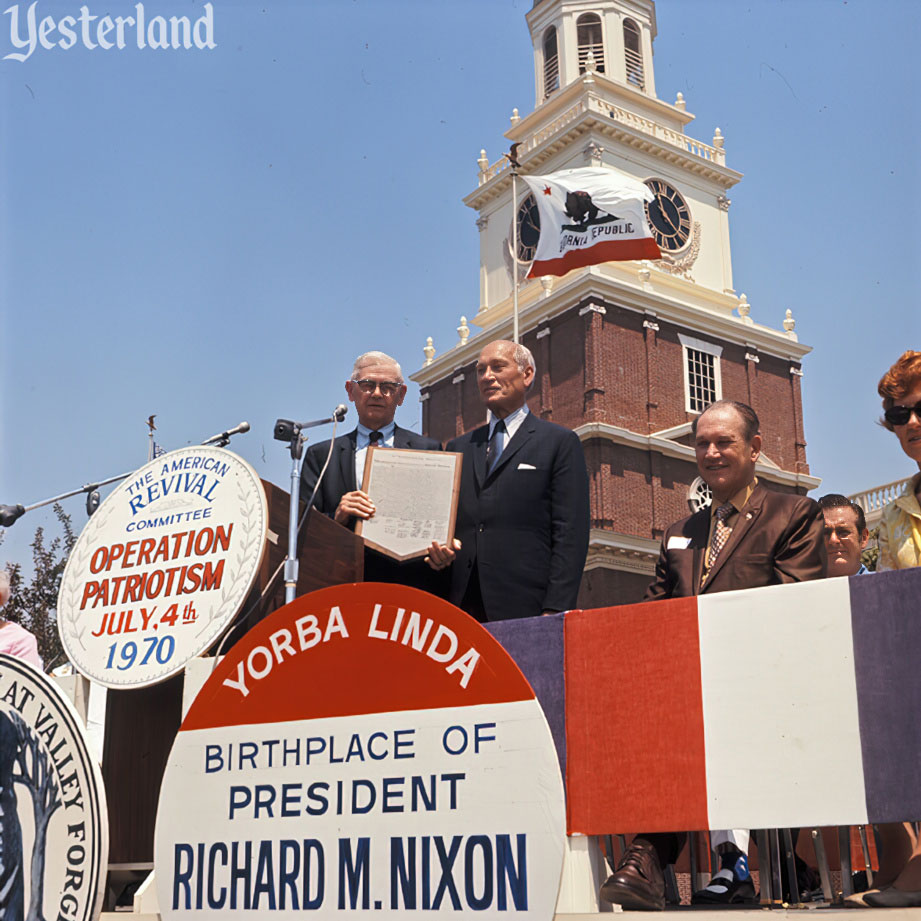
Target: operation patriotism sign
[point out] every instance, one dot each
(162, 567)
(365, 750)
(54, 833)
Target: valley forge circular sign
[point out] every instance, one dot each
(54, 841)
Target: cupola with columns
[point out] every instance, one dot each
(617, 36)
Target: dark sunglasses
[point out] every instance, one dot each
(388, 388)
(899, 415)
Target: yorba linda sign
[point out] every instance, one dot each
(162, 567)
(365, 750)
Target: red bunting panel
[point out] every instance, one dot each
(634, 719)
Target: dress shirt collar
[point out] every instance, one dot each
(737, 501)
(364, 435)
(908, 500)
(512, 421)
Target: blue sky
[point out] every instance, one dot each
(206, 235)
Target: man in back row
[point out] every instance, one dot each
(749, 537)
(846, 535)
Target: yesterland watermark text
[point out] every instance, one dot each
(29, 32)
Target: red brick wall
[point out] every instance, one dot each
(565, 345)
(636, 492)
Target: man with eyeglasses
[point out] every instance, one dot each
(846, 535)
(376, 388)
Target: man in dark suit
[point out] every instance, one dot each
(523, 515)
(748, 537)
(376, 388)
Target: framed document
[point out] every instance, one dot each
(415, 499)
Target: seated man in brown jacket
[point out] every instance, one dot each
(750, 536)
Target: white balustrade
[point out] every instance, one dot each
(873, 500)
(592, 103)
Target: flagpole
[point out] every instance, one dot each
(514, 254)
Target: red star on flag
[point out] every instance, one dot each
(548, 190)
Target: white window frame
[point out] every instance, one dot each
(708, 348)
(601, 66)
(629, 63)
(549, 91)
(699, 495)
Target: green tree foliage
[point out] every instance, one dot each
(870, 556)
(34, 604)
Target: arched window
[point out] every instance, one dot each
(588, 34)
(551, 62)
(633, 54)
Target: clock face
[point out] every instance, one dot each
(528, 220)
(668, 215)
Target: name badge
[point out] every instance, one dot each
(678, 543)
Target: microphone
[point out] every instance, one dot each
(285, 429)
(9, 514)
(223, 438)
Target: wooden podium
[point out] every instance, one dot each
(141, 724)
(328, 554)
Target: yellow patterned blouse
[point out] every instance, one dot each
(900, 531)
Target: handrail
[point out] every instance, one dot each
(591, 102)
(872, 500)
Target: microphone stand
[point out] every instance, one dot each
(10, 514)
(286, 430)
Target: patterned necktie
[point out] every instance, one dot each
(720, 532)
(492, 447)
(376, 438)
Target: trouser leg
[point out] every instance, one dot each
(734, 836)
(667, 845)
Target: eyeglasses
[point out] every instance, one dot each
(899, 415)
(387, 388)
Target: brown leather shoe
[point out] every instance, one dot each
(637, 884)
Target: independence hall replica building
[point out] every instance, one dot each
(628, 353)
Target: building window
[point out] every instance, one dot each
(699, 495)
(588, 34)
(702, 384)
(551, 62)
(633, 54)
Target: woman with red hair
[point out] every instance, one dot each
(899, 876)
(900, 528)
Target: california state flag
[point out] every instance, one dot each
(589, 216)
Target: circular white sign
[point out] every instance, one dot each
(162, 567)
(54, 832)
(367, 750)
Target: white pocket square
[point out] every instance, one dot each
(527, 467)
(678, 543)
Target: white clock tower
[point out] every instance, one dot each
(628, 353)
(596, 105)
